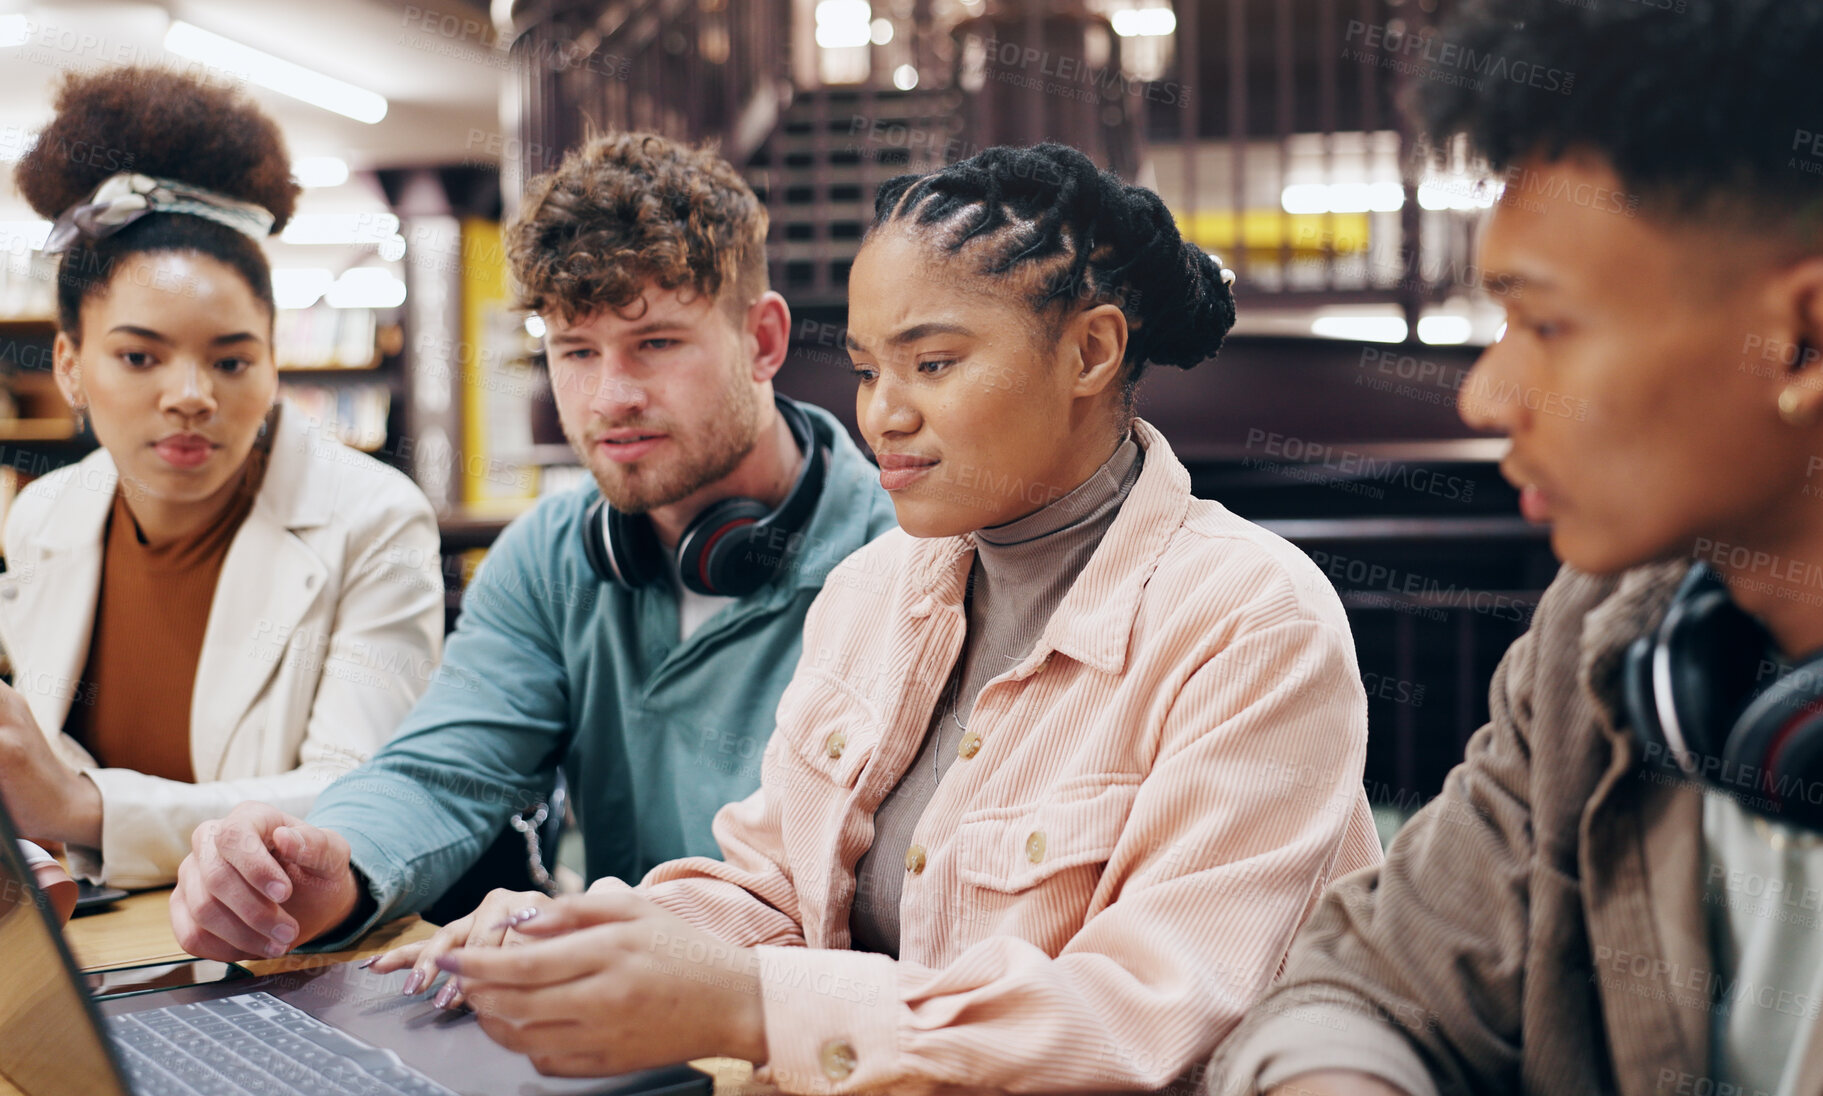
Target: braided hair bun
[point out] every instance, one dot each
(1083, 235)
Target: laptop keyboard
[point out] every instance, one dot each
(254, 1043)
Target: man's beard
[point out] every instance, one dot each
(716, 448)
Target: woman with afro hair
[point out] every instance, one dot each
(1067, 758)
(220, 603)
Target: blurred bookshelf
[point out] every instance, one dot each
(342, 368)
(37, 428)
(321, 338)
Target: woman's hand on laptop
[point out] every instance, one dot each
(490, 926)
(611, 982)
(258, 883)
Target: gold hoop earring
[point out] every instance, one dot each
(1792, 409)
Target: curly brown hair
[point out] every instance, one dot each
(163, 123)
(631, 209)
(156, 122)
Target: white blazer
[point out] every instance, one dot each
(326, 625)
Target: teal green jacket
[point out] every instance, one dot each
(550, 668)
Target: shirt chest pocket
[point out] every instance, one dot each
(1013, 849)
(832, 730)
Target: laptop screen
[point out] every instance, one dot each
(50, 1035)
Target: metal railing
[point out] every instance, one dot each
(690, 69)
(1284, 149)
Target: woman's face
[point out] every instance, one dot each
(175, 371)
(977, 415)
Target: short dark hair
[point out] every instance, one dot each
(166, 124)
(631, 209)
(1700, 106)
(1083, 237)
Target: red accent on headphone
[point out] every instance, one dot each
(1779, 742)
(702, 557)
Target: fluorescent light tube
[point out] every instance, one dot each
(341, 228)
(1145, 22)
(366, 287)
(320, 171)
(1380, 329)
(15, 30)
(1444, 330)
(275, 73)
(300, 287)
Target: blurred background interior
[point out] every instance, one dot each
(1270, 127)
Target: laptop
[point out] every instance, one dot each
(327, 1031)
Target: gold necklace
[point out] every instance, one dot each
(953, 694)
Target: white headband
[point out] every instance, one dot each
(124, 198)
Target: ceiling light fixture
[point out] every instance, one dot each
(341, 228)
(320, 171)
(275, 73)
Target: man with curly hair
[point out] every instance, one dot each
(610, 633)
(1618, 890)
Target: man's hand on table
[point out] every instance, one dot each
(609, 982)
(258, 883)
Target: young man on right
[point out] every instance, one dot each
(1618, 890)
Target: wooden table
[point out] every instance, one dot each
(137, 930)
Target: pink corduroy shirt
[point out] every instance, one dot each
(1112, 872)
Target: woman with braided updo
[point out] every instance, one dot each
(220, 603)
(1065, 762)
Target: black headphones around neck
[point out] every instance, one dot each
(732, 548)
(1698, 694)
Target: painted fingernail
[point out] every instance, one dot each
(447, 994)
(365, 963)
(413, 982)
(516, 919)
(450, 961)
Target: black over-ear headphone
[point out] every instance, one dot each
(732, 548)
(1697, 699)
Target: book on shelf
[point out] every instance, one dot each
(325, 338)
(354, 414)
(28, 281)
